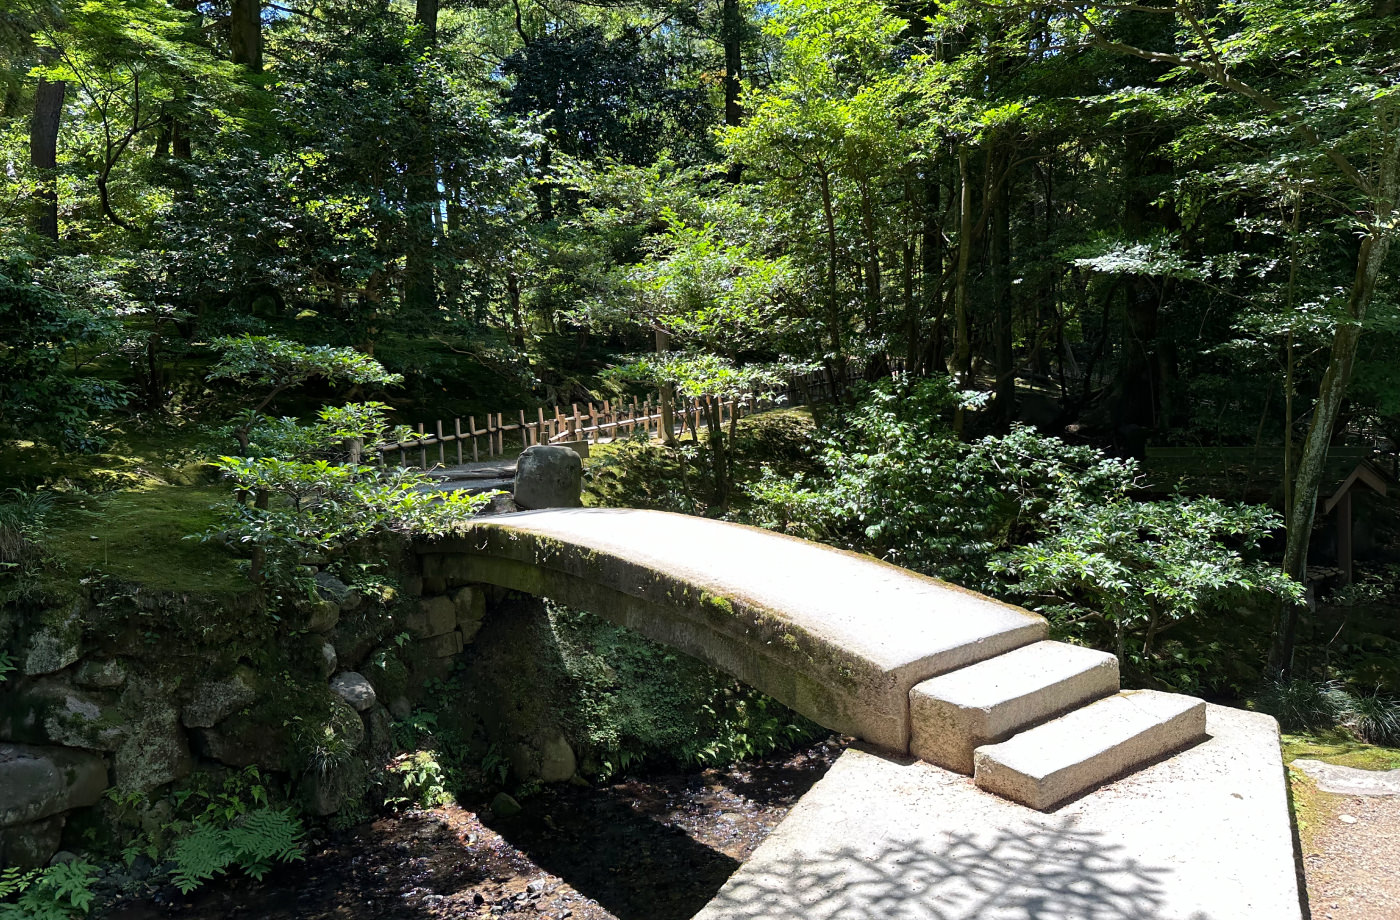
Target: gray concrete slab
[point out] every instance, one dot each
(1204, 835)
(859, 631)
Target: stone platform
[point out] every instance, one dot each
(1202, 835)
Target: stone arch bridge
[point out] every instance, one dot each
(924, 673)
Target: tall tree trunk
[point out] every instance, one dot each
(999, 255)
(43, 153)
(962, 352)
(245, 34)
(732, 34)
(931, 254)
(420, 291)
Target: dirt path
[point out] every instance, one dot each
(1352, 858)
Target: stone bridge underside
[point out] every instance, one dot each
(910, 665)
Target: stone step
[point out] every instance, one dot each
(1044, 766)
(990, 701)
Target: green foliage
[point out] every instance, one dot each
(59, 892)
(1374, 719)
(639, 700)
(1301, 704)
(415, 780)
(1049, 525)
(252, 842)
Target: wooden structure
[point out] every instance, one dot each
(1365, 473)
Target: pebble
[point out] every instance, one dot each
(1346, 819)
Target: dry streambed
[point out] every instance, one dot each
(651, 848)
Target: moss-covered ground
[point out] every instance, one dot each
(133, 510)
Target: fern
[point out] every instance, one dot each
(252, 842)
(57, 893)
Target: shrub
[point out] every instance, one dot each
(1375, 719)
(1300, 704)
(56, 893)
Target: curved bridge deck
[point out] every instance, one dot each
(839, 637)
(912, 665)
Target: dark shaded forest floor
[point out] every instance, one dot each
(656, 847)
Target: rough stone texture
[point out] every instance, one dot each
(443, 646)
(379, 734)
(107, 674)
(1046, 765)
(353, 689)
(322, 616)
(332, 589)
(990, 701)
(53, 711)
(470, 604)
(434, 617)
(447, 570)
(37, 782)
(243, 741)
(1204, 835)
(31, 846)
(503, 806)
(839, 637)
(1350, 780)
(156, 750)
(557, 761)
(215, 700)
(547, 476)
(57, 643)
(328, 660)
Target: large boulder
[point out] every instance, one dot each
(212, 701)
(156, 750)
(353, 689)
(37, 782)
(57, 643)
(549, 477)
(30, 846)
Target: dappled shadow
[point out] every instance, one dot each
(1053, 873)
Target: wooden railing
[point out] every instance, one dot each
(455, 442)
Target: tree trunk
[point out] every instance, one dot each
(420, 291)
(43, 153)
(245, 34)
(667, 394)
(1345, 343)
(962, 357)
(1000, 259)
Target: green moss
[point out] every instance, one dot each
(142, 535)
(1339, 748)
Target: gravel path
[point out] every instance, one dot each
(1352, 861)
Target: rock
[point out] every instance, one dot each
(443, 646)
(500, 503)
(1350, 780)
(215, 700)
(470, 605)
(400, 707)
(503, 806)
(379, 735)
(156, 750)
(557, 762)
(54, 711)
(244, 741)
(1346, 819)
(57, 643)
(63, 857)
(329, 659)
(353, 689)
(31, 846)
(331, 588)
(322, 616)
(107, 674)
(38, 782)
(549, 477)
(434, 617)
